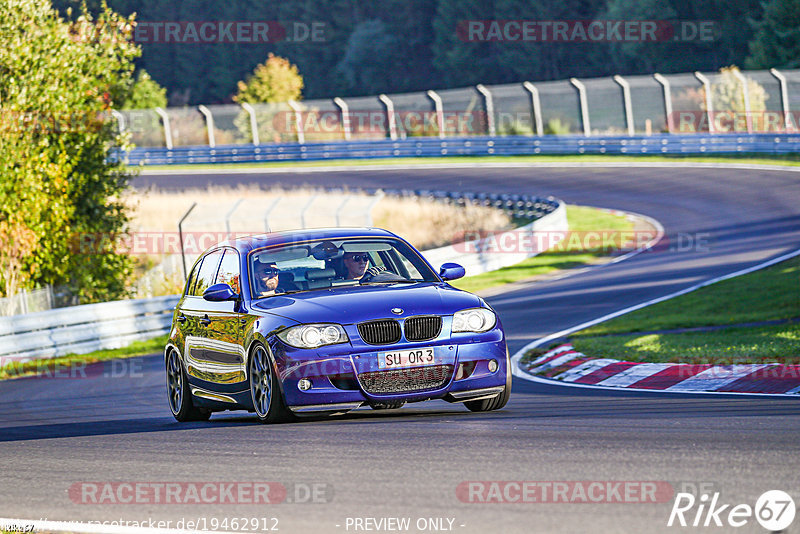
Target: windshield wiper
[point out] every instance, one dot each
(391, 282)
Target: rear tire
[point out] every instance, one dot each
(265, 390)
(179, 394)
(495, 403)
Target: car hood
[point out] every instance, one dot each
(347, 305)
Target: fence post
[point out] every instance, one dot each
(209, 125)
(345, 116)
(390, 120)
(341, 208)
(709, 101)
(228, 218)
(298, 121)
(626, 99)
(271, 207)
(437, 104)
(587, 129)
(667, 101)
(784, 98)
(489, 104)
(378, 196)
(536, 104)
(167, 129)
(305, 209)
(746, 94)
(180, 236)
(253, 122)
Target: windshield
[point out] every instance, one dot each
(334, 263)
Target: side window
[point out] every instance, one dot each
(193, 278)
(229, 270)
(207, 273)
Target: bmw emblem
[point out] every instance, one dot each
(397, 311)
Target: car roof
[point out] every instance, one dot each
(248, 243)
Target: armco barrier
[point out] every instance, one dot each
(473, 146)
(81, 329)
(90, 327)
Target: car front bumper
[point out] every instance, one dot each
(343, 377)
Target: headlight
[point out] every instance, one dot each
(309, 336)
(474, 320)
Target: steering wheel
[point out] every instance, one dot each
(379, 273)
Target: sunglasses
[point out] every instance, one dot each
(271, 272)
(362, 257)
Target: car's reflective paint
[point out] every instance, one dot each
(215, 341)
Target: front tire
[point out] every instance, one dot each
(179, 394)
(265, 390)
(495, 403)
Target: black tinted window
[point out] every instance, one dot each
(193, 278)
(229, 270)
(207, 273)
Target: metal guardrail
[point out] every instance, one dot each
(472, 146)
(108, 325)
(85, 328)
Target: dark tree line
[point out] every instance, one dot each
(378, 46)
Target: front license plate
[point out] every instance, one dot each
(406, 358)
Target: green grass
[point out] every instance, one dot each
(752, 159)
(137, 348)
(581, 219)
(766, 295)
(763, 344)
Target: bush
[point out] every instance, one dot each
(146, 93)
(58, 183)
(276, 80)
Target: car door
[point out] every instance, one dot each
(193, 315)
(224, 353)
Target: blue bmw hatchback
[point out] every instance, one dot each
(327, 320)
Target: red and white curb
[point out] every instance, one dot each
(748, 379)
(565, 364)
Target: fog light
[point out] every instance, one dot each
(492, 366)
(304, 384)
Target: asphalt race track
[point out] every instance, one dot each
(55, 433)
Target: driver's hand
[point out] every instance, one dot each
(374, 271)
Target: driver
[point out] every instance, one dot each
(269, 279)
(355, 266)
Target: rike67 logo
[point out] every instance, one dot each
(774, 510)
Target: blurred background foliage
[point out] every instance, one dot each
(412, 45)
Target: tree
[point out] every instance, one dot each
(369, 59)
(59, 182)
(146, 93)
(275, 80)
(777, 40)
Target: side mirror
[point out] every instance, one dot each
(451, 271)
(219, 293)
